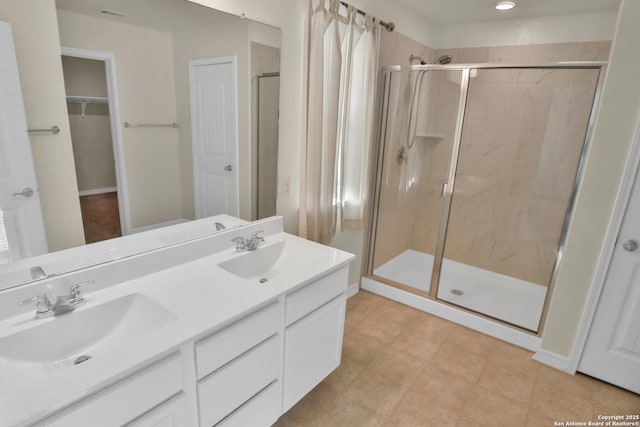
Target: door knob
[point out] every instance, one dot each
(228, 168)
(26, 192)
(630, 245)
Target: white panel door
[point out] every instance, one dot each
(214, 136)
(21, 226)
(612, 352)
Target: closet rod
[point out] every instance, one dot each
(389, 26)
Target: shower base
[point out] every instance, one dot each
(505, 298)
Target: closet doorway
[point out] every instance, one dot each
(95, 150)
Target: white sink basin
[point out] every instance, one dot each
(60, 340)
(273, 259)
(260, 263)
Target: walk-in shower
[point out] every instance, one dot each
(476, 172)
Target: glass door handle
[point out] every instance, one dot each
(228, 168)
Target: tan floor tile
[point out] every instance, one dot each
(379, 328)
(404, 368)
(536, 419)
(344, 375)
(375, 392)
(514, 358)
(466, 340)
(611, 399)
(361, 348)
(419, 409)
(422, 336)
(558, 403)
(343, 412)
(359, 306)
(365, 301)
(286, 421)
(460, 362)
(507, 382)
(397, 366)
(443, 389)
(486, 408)
(429, 325)
(576, 385)
(314, 404)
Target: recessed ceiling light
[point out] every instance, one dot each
(505, 5)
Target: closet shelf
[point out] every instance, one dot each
(88, 99)
(84, 100)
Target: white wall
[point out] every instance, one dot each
(289, 16)
(616, 124)
(145, 76)
(220, 40)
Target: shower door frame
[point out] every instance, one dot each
(447, 194)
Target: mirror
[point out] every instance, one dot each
(148, 133)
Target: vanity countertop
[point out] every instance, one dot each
(200, 295)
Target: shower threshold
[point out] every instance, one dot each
(512, 300)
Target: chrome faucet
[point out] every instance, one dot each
(250, 244)
(63, 304)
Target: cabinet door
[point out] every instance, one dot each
(172, 413)
(313, 347)
(126, 400)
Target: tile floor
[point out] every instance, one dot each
(402, 367)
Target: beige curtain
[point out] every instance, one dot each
(325, 60)
(360, 126)
(339, 61)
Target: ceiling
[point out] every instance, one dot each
(178, 15)
(162, 15)
(448, 12)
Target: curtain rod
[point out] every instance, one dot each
(389, 26)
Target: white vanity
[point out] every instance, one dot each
(193, 334)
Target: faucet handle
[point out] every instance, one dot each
(254, 235)
(76, 293)
(44, 307)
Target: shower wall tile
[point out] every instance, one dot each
(395, 49)
(522, 138)
(400, 178)
(543, 53)
(517, 168)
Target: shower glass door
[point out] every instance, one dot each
(522, 141)
(418, 135)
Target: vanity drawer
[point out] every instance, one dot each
(263, 409)
(172, 413)
(312, 296)
(231, 386)
(216, 350)
(126, 400)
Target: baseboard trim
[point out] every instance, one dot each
(353, 289)
(477, 323)
(554, 360)
(98, 191)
